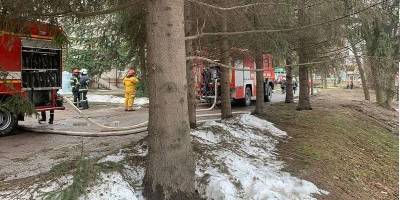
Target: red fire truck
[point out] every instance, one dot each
(242, 83)
(31, 62)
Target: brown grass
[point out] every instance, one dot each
(351, 154)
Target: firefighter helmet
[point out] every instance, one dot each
(84, 71)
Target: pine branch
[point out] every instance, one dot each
(280, 30)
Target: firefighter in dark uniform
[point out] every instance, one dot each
(84, 88)
(75, 85)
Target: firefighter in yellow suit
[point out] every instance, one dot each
(130, 82)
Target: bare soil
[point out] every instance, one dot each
(345, 145)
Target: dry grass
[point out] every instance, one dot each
(349, 153)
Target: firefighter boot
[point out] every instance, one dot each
(43, 117)
(51, 120)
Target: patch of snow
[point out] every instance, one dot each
(115, 99)
(104, 98)
(207, 136)
(112, 186)
(255, 122)
(140, 101)
(113, 158)
(218, 183)
(243, 164)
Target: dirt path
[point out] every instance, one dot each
(347, 146)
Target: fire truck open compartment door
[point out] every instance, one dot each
(41, 71)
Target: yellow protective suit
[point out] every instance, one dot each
(130, 91)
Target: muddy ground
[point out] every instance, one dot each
(345, 145)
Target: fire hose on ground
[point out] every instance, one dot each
(113, 131)
(215, 98)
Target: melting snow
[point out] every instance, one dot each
(115, 99)
(113, 158)
(255, 122)
(238, 161)
(113, 186)
(242, 164)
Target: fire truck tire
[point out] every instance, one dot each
(247, 97)
(8, 121)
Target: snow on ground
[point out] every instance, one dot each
(115, 99)
(255, 122)
(112, 186)
(237, 160)
(113, 158)
(242, 163)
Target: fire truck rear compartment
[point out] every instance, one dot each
(40, 68)
(41, 72)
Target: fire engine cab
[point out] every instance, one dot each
(31, 62)
(242, 83)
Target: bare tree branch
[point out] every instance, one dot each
(280, 30)
(70, 11)
(238, 7)
(246, 69)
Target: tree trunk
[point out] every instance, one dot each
(379, 93)
(289, 81)
(170, 165)
(361, 70)
(304, 93)
(189, 71)
(311, 71)
(226, 108)
(143, 68)
(390, 86)
(259, 82)
(191, 96)
(325, 78)
(335, 77)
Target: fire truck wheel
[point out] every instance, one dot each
(7, 122)
(247, 97)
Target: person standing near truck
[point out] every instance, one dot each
(43, 117)
(75, 85)
(130, 82)
(84, 87)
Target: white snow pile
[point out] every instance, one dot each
(115, 99)
(112, 186)
(255, 122)
(237, 160)
(113, 158)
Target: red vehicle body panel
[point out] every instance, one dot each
(11, 57)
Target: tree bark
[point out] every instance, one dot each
(170, 165)
(390, 86)
(304, 93)
(379, 93)
(226, 108)
(361, 70)
(259, 82)
(325, 78)
(310, 72)
(189, 71)
(289, 81)
(143, 68)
